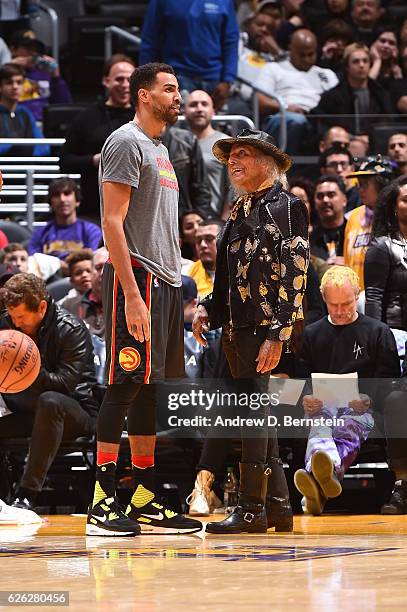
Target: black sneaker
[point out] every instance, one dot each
(154, 518)
(397, 503)
(107, 519)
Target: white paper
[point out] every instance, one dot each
(335, 390)
(289, 389)
(4, 411)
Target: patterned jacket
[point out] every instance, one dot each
(262, 261)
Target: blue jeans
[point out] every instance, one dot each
(298, 129)
(188, 84)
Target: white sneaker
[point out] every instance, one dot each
(9, 515)
(201, 500)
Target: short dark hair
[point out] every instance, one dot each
(116, 59)
(77, 256)
(331, 178)
(63, 184)
(337, 29)
(25, 289)
(215, 221)
(11, 247)
(144, 77)
(8, 71)
(337, 148)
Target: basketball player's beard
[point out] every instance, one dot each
(165, 114)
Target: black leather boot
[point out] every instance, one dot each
(249, 516)
(278, 507)
(397, 503)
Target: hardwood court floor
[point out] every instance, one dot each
(333, 563)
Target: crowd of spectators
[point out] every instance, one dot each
(338, 70)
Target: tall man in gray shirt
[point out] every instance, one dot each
(142, 297)
(199, 112)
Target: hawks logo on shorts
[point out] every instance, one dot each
(129, 359)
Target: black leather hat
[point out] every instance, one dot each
(256, 138)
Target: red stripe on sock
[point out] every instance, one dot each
(142, 461)
(102, 458)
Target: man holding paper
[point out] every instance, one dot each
(344, 342)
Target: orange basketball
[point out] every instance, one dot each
(20, 361)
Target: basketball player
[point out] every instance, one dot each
(142, 301)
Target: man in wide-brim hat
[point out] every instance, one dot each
(260, 280)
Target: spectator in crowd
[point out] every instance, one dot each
(188, 225)
(43, 84)
(260, 46)
(326, 239)
(399, 86)
(190, 297)
(89, 130)
(88, 306)
(66, 232)
(42, 265)
(80, 268)
(203, 270)
(356, 93)
(385, 263)
(293, 12)
(385, 54)
(372, 176)
(189, 166)
(199, 112)
(336, 35)
(59, 405)
(300, 83)
(403, 34)
(199, 40)
(15, 120)
(366, 16)
(340, 343)
(395, 426)
(262, 29)
(335, 135)
(359, 146)
(5, 55)
(397, 150)
(338, 9)
(338, 160)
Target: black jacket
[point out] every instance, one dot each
(261, 266)
(186, 157)
(86, 137)
(320, 238)
(67, 361)
(340, 100)
(386, 281)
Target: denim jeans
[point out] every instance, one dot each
(298, 130)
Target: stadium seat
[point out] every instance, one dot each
(382, 133)
(58, 117)
(59, 288)
(15, 232)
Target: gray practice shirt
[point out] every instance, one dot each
(217, 172)
(131, 157)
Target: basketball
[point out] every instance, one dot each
(19, 361)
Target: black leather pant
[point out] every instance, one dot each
(49, 420)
